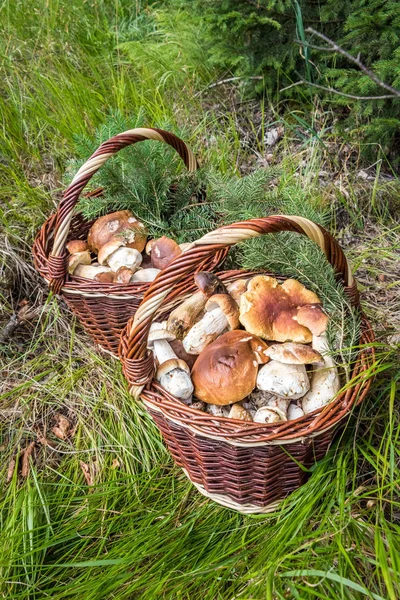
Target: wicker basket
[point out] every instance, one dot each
(248, 467)
(103, 308)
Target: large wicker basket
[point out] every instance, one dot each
(248, 467)
(102, 308)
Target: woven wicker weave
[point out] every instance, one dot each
(246, 466)
(102, 308)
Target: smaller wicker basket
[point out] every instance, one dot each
(248, 467)
(102, 308)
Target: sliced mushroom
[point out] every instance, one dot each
(222, 313)
(325, 382)
(182, 318)
(288, 381)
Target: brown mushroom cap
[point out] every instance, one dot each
(75, 246)
(313, 317)
(163, 252)
(228, 306)
(105, 277)
(226, 371)
(209, 284)
(237, 288)
(170, 365)
(267, 309)
(120, 225)
(123, 275)
(294, 354)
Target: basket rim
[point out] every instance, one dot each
(252, 434)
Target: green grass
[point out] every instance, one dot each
(136, 528)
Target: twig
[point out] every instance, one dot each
(228, 80)
(333, 91)
(335, 47)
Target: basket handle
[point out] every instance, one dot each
(137, 362)
(58, 256)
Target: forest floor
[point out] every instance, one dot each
(92, 506)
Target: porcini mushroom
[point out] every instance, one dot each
(294, 412)
(172, 373)
(238, 412)
(237, 288)
(79, 254)
(116, 255)
(325, 382)
(268, 309)
(105, 277)
(226, 371)
(288, 381)
(222, 313)
(182, 318)
(163, 251)
(268, 414)
(123, 275)
(294, 354)
(90, 271)
(120, 225)
(145, 275)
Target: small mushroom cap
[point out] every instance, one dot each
(170, 365)
(145, 275)
(291, 353)
(108, 249)
(75, 246)
(78, 258)
(238, 412)
(158, 331)
(105, 277)
(117, 225)
(124, 257)
(123, 275)
(269, 414)
(288, 381)
(226, 371)
(209, 284)
(149, 246)
(90, 271)
(313, 317)
(294, 412)
(228, 306)
(237, 288)
(163, 252)
(267, 309)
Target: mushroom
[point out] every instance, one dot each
(237, 288)
(116, 255)
(145, 275)
(268, 309)
(181, 353)
(182, 318)
(238, 412)
(105, 277)
(173, 374)
(294, 354)
(288, 381)
(217, 411)
(222, 313)
(325, 382)
(120, 225)
(268, 414)
(163, 251)
(123, 275)
(79, 254)
(90, 271)
(226, 371)
(294, 412)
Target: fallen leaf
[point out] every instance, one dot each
(10, 471)
(86, 472)
(115, 463)
(26, 454)
(61, 430)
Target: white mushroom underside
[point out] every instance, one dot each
(178, 383)
(125, 257)
(288, 381)
(205, 331)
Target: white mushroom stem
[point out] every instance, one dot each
(145, 275)
(90, 271)
(163, 351)
(125, 257)
(172, 373)
(325, 382)
(205, 331)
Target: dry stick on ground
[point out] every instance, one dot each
(394, 93)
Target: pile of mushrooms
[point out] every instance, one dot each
(255, 350)
(117, 251)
